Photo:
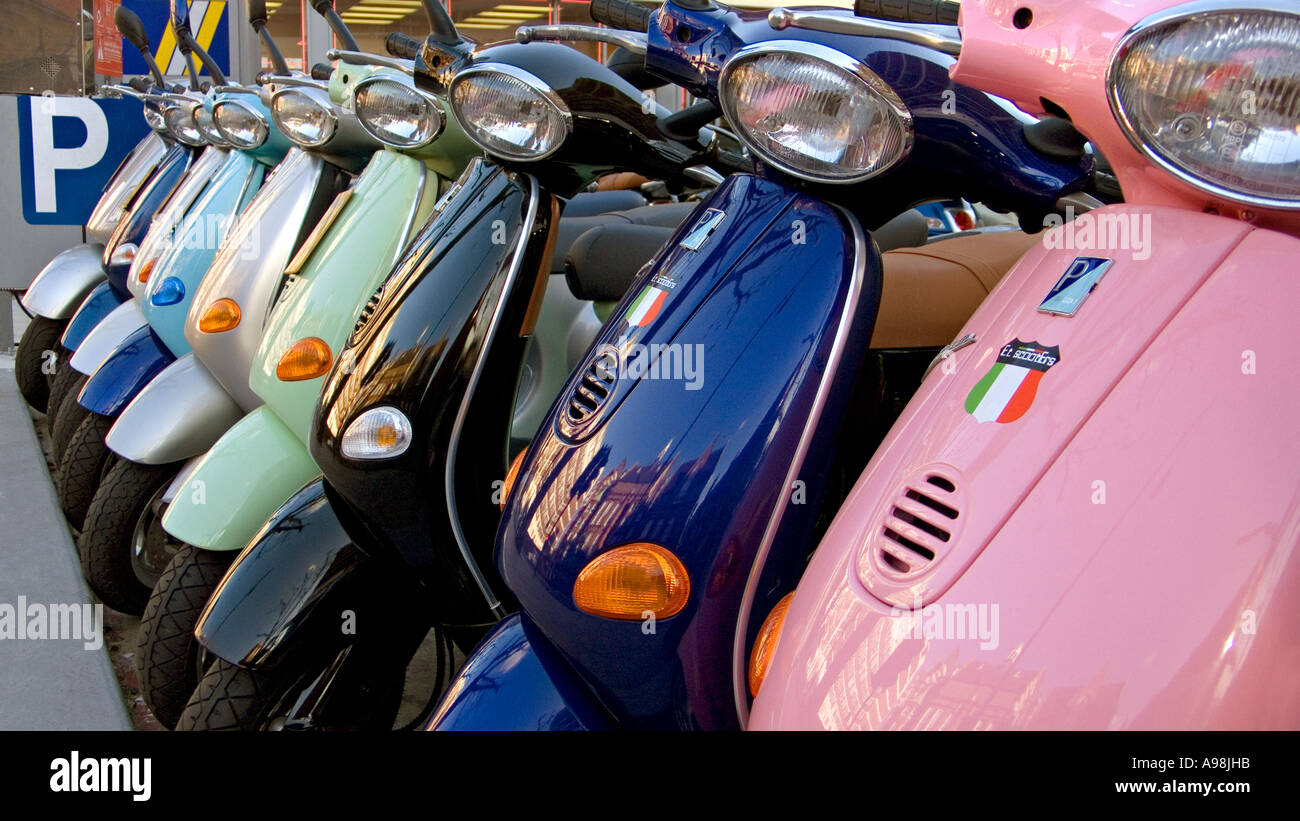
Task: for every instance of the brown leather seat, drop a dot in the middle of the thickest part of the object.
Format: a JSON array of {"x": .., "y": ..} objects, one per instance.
[{"x": 930, "y": 291}]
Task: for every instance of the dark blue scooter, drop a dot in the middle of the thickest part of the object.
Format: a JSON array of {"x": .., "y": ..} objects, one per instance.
[{"x": 685, "y": 472}]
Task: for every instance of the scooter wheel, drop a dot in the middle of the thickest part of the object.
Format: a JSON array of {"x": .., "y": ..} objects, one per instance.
[
  {"x": 68, "y": 416},
  {"x": 82, "y": 466},
  {"x": 167, "y": 657},
  {"x": 115, "y": 520},
  {"x": 39, "y": 345},
  {"x": 236, "y": 698}
]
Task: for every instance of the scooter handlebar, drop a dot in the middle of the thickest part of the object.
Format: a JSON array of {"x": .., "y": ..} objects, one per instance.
[
  {"x": 621, "y": 14},
  {"x": 322, "y": 72},
  {"x": 402, "y": 45},
  {"x": 140, "y": 84},
  {"x": 942, "y": 12}
]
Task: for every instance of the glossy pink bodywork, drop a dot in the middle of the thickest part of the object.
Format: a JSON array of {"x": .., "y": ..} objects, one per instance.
[{"x": 1124, "y": 554}]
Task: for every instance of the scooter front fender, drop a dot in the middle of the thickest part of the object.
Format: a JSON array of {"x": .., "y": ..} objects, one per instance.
[
  {"x": 515, "y": 681},
  {"x": 105, "y": 338},
  {"x": 65, "y": 281},
  {"x": 239, "y": 483},
  {"x": 292, "y": 589},
  {"x": 99, "y": 303},
  {"x": 179, "y": 414},
  {"x": 126, "y": 371}
]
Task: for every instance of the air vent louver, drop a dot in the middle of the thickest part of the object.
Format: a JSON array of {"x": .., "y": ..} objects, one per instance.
[
  {"x": 918, "y": 527},
  {"x": 593, "y": 389}
]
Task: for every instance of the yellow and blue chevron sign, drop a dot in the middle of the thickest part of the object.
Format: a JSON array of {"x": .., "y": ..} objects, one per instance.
[{"x": 209, "y": 20}]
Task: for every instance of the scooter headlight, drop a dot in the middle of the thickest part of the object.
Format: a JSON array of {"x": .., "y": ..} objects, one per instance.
[
  {"x": 304, "y": 115},
  {"x": 510, "y": 112},
  {"x": 242, "y": 126},
  {"x": 814, "y": 112},
  {"x": 1214, "y": 98},
  {"x": 396, "y": 114},
  {"x": 180, "y": 122},
  {"x": 154, "y": 117},
  {"x": 379, "y": 433},
  {"x": 207, "y": 127}
]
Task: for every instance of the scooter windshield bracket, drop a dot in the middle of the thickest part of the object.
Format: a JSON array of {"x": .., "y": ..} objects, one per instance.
[
  {"x": 935, "y": 37},
  {"x": 634, "y": 42}
]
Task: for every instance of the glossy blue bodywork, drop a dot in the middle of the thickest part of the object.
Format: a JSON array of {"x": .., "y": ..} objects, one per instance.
[
  {"x": 196, "y": 243},
  {"x": 125, "y": 372},
  {"x": 98, "y": 304},
  {"x": 729, "y": 477},
  {"x": 766, "y": 332},
  {"x": 151, "y": 196},
  {"x": 967, "y": 143},
  {"x": 515, "y": 681}
]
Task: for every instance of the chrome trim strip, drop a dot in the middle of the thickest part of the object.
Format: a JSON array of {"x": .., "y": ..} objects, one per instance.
[
  {"x": 1180, "y": 13},
  {"x": 916, "y": 33},
  {"x": 410, "y": 218},
  {"x": 521, "y": 247},
  {"x": 836, "y": 59},
  {"x": 739, "y": 654}
]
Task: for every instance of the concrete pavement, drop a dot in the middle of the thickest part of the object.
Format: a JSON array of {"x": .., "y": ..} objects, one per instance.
[{"x": 45, "y": 683}]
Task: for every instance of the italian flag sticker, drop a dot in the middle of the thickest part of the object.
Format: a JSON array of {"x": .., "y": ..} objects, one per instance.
[
  {"x": 1005, "y": 393},
  {"x": 646, "y": 307}
]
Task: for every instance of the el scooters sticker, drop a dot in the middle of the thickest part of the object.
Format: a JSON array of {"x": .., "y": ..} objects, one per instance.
[
  {"x": 647, "y": 306},
  {"x": 1005, "y": 393}
]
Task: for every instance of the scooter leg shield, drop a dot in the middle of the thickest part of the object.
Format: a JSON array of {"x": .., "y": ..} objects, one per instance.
[
  {"x": 293, "y": 589},
  {"x": 123, "y": 321},
  {"x": 181, "y": 413},
  {"x": 65, "y": 280},
  {"x": 126, "y": 371},
  {"x": 238, "y": 484},
  {"x": 98, "y": 304},
  {"x": 514, "y": 681}
]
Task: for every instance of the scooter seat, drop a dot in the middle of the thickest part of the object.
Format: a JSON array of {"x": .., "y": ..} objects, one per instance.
[
  {"x": 600, "y": 202},
  {"x": 608, "y": 251},
  {"x": 929, "y": 292}
]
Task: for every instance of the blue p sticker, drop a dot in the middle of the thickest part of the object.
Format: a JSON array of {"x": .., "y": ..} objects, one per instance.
[{"x": 1075, "y": 284}]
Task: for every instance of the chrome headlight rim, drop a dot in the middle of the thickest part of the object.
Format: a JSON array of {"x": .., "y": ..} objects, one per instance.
[
  {"x": 836, "y": 59},
  {"x": 1139, "y": 30},
  {"x": 533, "y": 82},
  {"x": 160, "y": 123},
  {"x": 249, "y": 110},
  {"x": 211, "y": 134},
  {"x": 429, "y": 100},
  {"x": 325, "y": 105},
  {"x": 186, "y": 110}
]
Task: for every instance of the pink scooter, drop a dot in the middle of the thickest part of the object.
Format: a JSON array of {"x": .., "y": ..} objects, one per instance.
[{"x": 1088, "y": 516}]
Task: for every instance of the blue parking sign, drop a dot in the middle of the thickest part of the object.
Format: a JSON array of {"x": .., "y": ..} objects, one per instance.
[{"x": 68, "y": 149}]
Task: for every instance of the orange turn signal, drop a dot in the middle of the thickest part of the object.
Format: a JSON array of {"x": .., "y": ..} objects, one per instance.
[
  {"x": 630, "y": 581},
  {"x": 760, "y": 659},
  {"x": 511, "y": 475},
  {"x": 222, "y": 315},
  {"x": 146, "y": 269},
  {"x": 306, "y": 359}
]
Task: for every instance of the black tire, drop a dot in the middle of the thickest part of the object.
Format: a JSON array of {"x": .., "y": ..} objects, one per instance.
[
  {"x": 67, "y": 417},
  {"x": 83, "y": 465},
  {"x": 105, "y": 543},
  {"x": 167, "y": 656},
  {"x": 42, "y": 335},
  {"x": 235, "y": 698}
]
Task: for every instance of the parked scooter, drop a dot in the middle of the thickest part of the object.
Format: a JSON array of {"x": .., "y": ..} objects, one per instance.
[
  {"x": 179, "y": 269},
  {"x": 414, "y": 422},
  {"x": 242, "y": 472},
  {"x": 661, "y": 507},
  {"x": 193, "y": 400},
  {"x": 81, "y": 285},
  {"x": 1089, "y": 520}
]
